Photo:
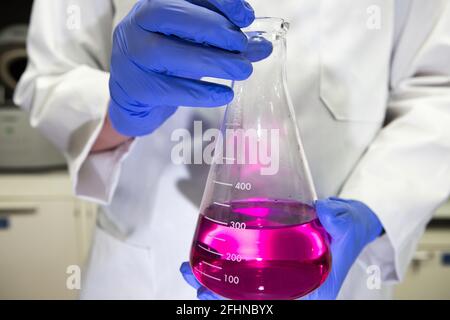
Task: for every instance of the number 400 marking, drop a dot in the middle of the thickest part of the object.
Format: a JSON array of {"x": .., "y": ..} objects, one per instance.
[{"x": 244, "y": 186}]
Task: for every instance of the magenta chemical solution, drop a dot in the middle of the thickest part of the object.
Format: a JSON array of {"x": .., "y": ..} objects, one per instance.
[{"x": 260, "y": 249}]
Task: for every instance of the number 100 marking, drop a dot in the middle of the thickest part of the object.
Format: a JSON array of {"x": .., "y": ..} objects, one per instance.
[{"x": 231, "y": 279}]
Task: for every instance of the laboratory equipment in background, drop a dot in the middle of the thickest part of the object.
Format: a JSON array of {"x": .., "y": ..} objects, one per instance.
[
  {"x": 258, "y": 236},
  {"x": 22, "y": 148},
  {"x": 428, "y": 275}
]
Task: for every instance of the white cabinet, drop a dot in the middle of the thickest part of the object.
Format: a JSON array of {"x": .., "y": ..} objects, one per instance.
[{"x": 48, "y": 231}]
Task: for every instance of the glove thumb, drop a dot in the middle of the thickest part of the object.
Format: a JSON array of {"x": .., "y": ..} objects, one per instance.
[{"x": 334, "y": 217}]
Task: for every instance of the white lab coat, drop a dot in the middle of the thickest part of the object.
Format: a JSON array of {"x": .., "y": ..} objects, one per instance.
[{"x": 346, "y": 76}]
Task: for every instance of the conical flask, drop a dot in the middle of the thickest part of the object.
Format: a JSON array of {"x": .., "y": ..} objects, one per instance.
[{"x": 258, "y": 236}]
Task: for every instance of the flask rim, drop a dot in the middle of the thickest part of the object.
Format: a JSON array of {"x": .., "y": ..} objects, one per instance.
[{"x": 268, "y": 25}]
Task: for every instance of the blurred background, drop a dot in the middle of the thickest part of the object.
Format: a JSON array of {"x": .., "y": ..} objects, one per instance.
[{"x": 44, "y": 229}]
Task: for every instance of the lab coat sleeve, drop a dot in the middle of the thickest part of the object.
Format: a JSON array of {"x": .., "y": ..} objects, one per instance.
[
  {"x": 65, "y": 87},
  {"x": 405, "y": 173}
]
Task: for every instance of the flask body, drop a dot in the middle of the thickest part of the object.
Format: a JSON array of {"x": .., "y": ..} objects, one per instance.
[{"x": 258, "y": 236}]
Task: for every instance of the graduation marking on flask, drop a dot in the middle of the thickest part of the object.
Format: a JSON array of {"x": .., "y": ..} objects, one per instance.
[
  {"x": 223, "y": 183},
  {"x": 207, "y": 275},
  {"x": 210, "y": 251}
]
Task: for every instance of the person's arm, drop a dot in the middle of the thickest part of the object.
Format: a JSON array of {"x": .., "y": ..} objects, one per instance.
[
  {"x": 405, "y": 174},
  {"x": 65, "y": 89},
  {"x": 108, "y": 138},
  {"x": 154, "y": 67}
]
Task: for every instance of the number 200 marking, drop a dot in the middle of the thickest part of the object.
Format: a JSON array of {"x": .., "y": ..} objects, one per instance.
[{"x": 234, "y": 257}]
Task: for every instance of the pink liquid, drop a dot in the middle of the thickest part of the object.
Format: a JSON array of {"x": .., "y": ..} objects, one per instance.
[{"x": 282, "y": 251}]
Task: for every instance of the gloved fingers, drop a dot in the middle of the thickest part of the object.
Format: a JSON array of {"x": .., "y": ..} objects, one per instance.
[
  {"x": 190, "y": 22},
  {"x": 186, "y": 272},
  {"x": 137, "y": 124},
  {"x": 338, "y": 199},
  {"x": 349, "y": 202},
  {"x": 168, "y": 91},
  {"x": 328, "y": 290},
  {"x": 136, "y": 90},
  {"x": 202, "y": 292},
  {"x": 205, "y": 294},
  {"x": 334, "y": 217},
  {"x": 239, "y": 12},
  {"x": 172, "y": 56},
  {"x": 258, "y": 49},
  {"x": 364, "y": 215}
]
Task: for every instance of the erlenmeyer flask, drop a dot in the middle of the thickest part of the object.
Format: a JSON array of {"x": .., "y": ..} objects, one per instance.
[{"x": 258, "y": 236}]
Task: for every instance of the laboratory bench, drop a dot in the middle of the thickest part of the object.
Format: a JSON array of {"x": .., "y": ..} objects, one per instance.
[{"x": 44, "y": 230}]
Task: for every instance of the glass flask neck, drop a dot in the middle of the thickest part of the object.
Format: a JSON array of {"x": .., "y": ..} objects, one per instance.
[
  {"x": 269, "y": 27},
  {"x": 273, "y": 30}
]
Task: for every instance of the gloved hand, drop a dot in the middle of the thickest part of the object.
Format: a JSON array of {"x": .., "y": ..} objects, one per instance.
[
  {"x": 163, "y": 47},
  {"x": 351, "y": 224}
]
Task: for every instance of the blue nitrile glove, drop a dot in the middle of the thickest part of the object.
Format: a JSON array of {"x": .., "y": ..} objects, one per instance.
[
  {"x": 351, "y": 224},
  {"x": 162, "y": 48}
]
